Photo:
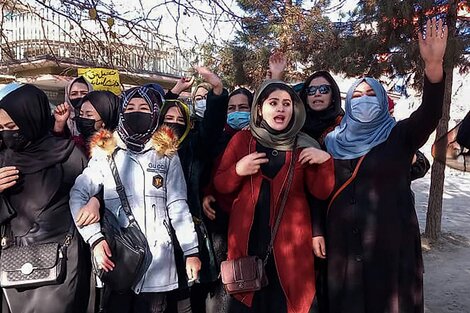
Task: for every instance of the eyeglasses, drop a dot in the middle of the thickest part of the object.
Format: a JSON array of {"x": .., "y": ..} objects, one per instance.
[
  {"x": 197, "y": 98},
  {"x": 324, "y": 89}
]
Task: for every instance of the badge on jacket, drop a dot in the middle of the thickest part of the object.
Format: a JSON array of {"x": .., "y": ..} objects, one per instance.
[{"x": 157, "y": 181}]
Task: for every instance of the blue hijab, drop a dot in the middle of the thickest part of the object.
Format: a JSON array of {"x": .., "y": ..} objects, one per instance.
[{"x": 352, "y": 138}]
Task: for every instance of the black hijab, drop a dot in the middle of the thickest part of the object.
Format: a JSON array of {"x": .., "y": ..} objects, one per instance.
[
  {"x": 29, "y": 108},
  {"x": 39, "y": 164},
  {"x": 107, "y": 105},
  {"x": 318, "y": 121}
]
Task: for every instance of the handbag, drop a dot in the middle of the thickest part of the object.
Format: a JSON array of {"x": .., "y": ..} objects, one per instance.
[
  {"x": 129, "y": 247},
  {"x": 247, "y": 274},
  {"x": 34, "y": 265}
]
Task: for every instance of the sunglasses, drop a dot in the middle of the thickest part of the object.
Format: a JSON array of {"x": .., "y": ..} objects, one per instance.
[{"x": 324, "y": 89}]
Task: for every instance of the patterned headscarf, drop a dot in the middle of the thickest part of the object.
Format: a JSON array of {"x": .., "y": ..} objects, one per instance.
[{"x": 136, "y": 142}]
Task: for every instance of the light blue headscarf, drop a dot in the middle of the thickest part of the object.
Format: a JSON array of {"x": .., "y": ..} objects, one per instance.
[
  {"x": 352, "y": 138},
  {"x": 9, "y": 88}
]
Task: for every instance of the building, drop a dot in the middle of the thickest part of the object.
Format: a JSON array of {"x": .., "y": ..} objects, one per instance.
[{"x": 45, "y": 47}]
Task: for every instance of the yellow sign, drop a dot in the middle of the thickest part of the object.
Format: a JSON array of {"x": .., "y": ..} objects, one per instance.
[{"x": 102, "y": 79}]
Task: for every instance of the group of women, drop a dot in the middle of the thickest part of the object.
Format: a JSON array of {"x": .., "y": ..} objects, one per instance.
[{"x": 209, "y": 182}]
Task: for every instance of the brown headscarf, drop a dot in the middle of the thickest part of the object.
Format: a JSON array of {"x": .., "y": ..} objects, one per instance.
[{"x": 284, "y": 140}]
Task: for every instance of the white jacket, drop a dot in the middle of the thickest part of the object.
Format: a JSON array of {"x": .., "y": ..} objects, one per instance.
[{"x": 156, "y": 191}]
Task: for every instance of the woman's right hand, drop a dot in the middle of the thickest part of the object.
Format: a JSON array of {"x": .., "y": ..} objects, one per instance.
[
  {"x": 8, "y": 177},
  {"x": 61, "y": 115},
  {"x": 102, "y": 254},
  {"x": 251, "y": 163}
]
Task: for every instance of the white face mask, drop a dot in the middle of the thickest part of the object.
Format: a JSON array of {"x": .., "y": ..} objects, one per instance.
[
  {"x": 200, "y": 107},
  {"x": 366, "y": 108}
]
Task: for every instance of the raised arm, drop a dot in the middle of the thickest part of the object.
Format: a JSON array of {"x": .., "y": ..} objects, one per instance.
[{"x": 425, "y": 119}]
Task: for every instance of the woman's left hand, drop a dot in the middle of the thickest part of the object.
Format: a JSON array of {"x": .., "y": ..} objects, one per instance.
[
  {"x": 433, "y": 47},
  {"x": 193, "y": 266},
  {"x": 211, "y": 78},
  {"x": 313, "y": 156}
]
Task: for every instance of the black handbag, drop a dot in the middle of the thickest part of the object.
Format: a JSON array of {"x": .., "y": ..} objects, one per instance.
[
  {"x": 34, "y": 265},
  {"x": 129, "y": 247}
]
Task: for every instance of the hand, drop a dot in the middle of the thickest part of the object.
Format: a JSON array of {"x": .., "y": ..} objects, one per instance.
[
  {"x": 89, "y": 214},
  {"x": 102, "y": 254},
  {"x": 207, "y": 208},
  {"x": 212, "y": 79},
  {"x": 313, "y": 156},
  {"x": 8, "y": 177},
  {"x": 61, "y": 115},
  {"x": 277, "y": 65},
  {"x": 193, "y": 266},
  {"x": 251, "y": 163},
  {"x": 432, "y": 49},
  {"x": 182, "y": 84},
  {"x": 319, "y": 247}
]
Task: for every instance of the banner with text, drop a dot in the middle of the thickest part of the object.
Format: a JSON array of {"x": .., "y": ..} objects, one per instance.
[{"x": 102, "y": 79}]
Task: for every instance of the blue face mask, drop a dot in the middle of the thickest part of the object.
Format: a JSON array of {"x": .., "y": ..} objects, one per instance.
[
  {"x": 238, "y": 120},
  {"x": 366, "y": 108}
]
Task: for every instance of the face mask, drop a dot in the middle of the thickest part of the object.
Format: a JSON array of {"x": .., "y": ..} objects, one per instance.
[
  {"x": 86, "y": 126},
  {"x": 138, "y": 122},
  {"x": 238, "y": 120},
  {"x": 200, "y": 107},
  {"x": 76, "y": 102},
  {"x": 14, "y": 140},
  {"x": 366, "y": 108},
  {"x": 179, "y": 129}
]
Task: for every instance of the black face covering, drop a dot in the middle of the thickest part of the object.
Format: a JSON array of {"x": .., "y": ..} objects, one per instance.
[
  {"x": 179, "y": 129},
  {"x": 76, "y": 103},
  {"x": 138, "y": 122},
  {"x": 86, "y": 126},
  {"x": 14, "y": 140}
]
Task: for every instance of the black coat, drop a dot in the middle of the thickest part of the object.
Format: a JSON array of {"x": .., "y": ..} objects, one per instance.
[{"x": 373, "y": 239}]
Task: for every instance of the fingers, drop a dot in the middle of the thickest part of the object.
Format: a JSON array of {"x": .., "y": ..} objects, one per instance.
[
  {"x": 8, "y": 177},
  {"x": 80, "y": 218},
  {"x": 206, "y": 207},
  {"x": 7, "y": 169},
  {"x": 318, "y": 244},
  {"x": 102, "y": 254}
]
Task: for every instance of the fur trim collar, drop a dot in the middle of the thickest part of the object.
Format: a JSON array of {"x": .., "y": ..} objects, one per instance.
[{"x": 164, "y": 141}]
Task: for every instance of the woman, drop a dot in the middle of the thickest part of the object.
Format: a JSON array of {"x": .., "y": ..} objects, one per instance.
[
  {"x": 36, "y": 175},
  {"x": 373, "y": 239},
  {"x": 322, "y": 98},
  {"x": 254, "y": 167},
  {"x": 65, "y": 113},
  {"x": 198, "y": 139},
  {"x": 98, "y": 110},
  {"x": 154, "y": 183}
]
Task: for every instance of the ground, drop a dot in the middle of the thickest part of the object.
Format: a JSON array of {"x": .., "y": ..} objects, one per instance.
[{"x": 447, "y": 263}]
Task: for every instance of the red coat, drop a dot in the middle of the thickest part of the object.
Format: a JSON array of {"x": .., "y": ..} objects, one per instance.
[{"x": 293, "y": 252}]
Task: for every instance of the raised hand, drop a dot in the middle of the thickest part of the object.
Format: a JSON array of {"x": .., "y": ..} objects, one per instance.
[
  {"x": 319, "y": 247},
  {"x": 61, "y": 115},
  {"x": 277, "y": 65},
  {"x": 211, "y": 78},
  {"x": 432, "y": 48},
  {"x": 251, "y": 163},
  {"x": 182, "y": 84}
]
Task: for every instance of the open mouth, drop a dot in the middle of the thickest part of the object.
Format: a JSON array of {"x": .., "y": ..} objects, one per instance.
[
  {"x": 317, "y": 102},
  {"x": 279, "y": 119}
]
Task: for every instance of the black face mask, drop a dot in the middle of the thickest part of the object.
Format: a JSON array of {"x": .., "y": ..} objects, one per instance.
[
  {"x": 179, "y": 129},
  {"x": 138, "y": 122},
  {"x": 14, "y": 140},
  {"x": 86, "y": 126},
  {"x": 76, "y": 102}
]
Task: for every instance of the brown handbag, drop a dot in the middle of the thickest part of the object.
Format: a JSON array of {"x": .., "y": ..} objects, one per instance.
[{"x": 247, "y": 274}]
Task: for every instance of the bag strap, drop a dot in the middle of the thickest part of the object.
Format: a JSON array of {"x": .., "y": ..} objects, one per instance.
[
  {"x": 282, "y": 205},
  {"x": 346, "y": 184},
  {"x": 121, "y": 190}
]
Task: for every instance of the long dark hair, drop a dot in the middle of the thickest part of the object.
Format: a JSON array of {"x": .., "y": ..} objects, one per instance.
[{"x": 242, "y": 91}]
